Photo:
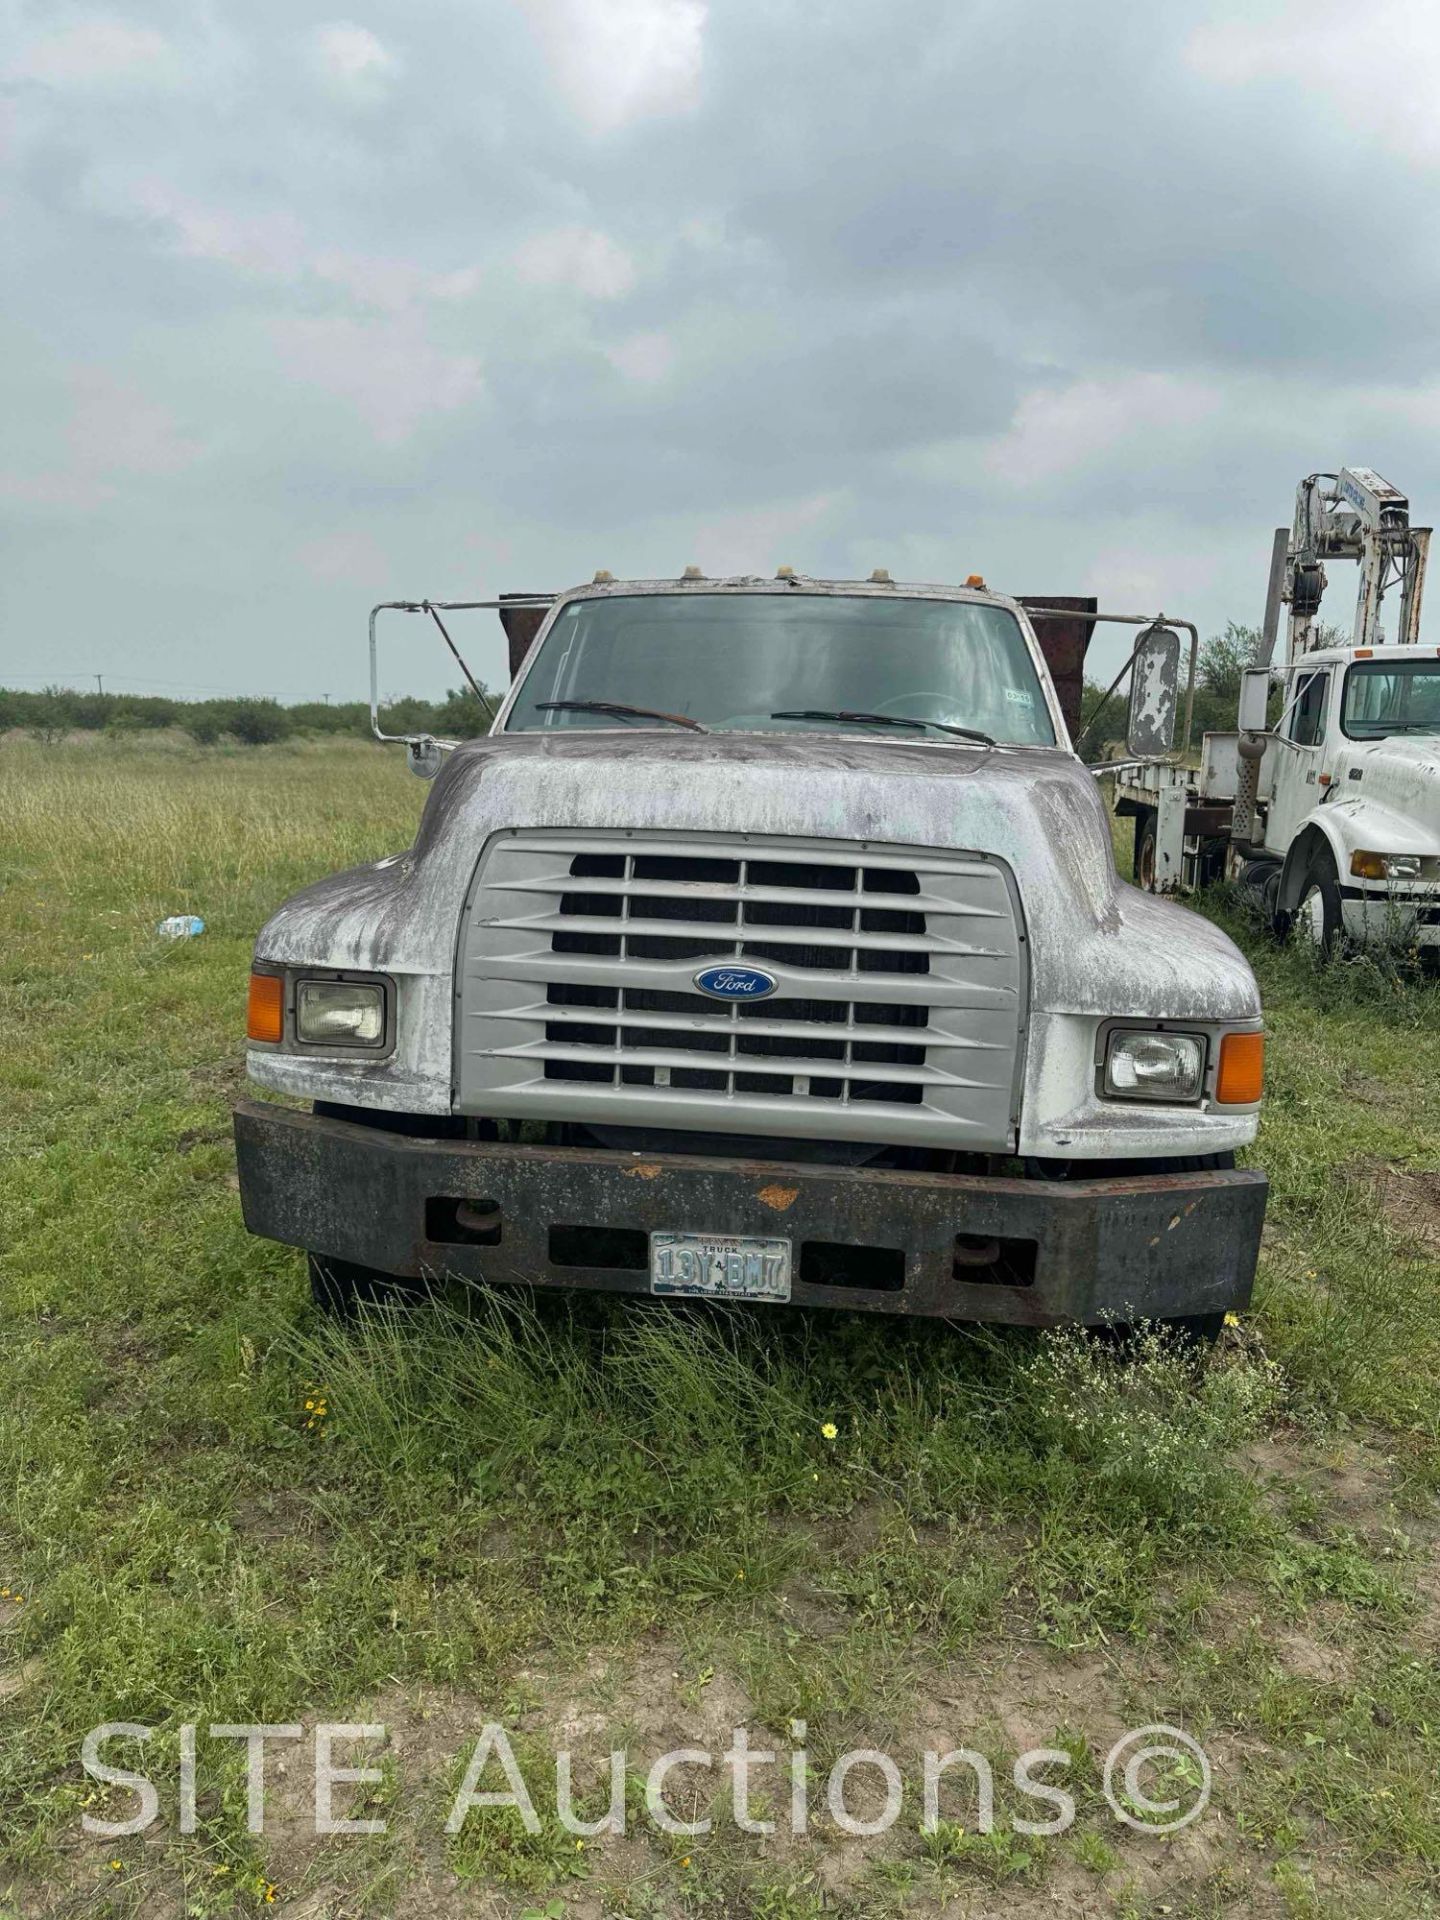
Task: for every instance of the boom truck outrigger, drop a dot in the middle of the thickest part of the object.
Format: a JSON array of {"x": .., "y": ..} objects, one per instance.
[
  {"x": 768, "y": 947},
  {"x": 1332, "y": 811}
]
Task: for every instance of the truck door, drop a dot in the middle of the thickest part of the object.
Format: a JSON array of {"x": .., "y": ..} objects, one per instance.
[{"x": 1299, "y": 756}]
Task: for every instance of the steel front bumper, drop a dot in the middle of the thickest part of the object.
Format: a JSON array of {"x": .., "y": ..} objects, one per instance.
[
  {"x": 1391, "y": 915},
  {"x": 1023, "y": 1251}
]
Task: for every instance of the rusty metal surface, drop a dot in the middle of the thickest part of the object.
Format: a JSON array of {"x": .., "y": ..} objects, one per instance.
[
  {"x": 1208, "y": 822},
  {"x": 521, "y": 624},
  {"x": 1105, "y": 1249},
  {"x": 1064, "y": 644}
]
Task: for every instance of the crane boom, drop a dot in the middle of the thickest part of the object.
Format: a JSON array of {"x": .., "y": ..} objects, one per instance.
[{"x": 1353, "y": 515}]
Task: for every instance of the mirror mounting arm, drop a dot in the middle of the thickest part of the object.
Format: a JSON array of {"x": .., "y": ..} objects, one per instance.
[
  {"x": 1149, "y": 623},
  {"x": 424, "y": 741}
]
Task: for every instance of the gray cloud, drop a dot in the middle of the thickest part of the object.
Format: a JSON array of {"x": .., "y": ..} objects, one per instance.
[{"x": 309, "y": 307}]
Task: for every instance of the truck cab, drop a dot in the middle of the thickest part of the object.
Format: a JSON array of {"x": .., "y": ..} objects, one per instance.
[
  {"x": 1353, "y": 784},
  {"x": 769, "y": 947},
  {"x": 1330, "y": 810}
]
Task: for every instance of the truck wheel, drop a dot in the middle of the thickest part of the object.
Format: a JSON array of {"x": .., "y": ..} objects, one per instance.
[
  {"x": 1197, "y": 1330},
  {"x": 1316, "y": 922},
  {"x": 1279, "y": 922},
  {"x": 1145, "y": 839},
  {"x": 338, "y": 1287}
]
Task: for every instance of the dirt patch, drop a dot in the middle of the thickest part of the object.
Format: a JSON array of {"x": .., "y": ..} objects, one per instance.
[
  {"x": 219, "y": 1079},
  {"x": 1305, "y": 1656},
  {"x": 1410, "y": 1201},
  {"x": 279, "y": 1514},
  {"x": 1354, "y": 1485},
  {"x": 15, "y": 1680},
  {"x": 1021, "y": 1697}
]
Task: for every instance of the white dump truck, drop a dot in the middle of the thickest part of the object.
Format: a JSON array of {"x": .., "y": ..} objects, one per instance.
[
  {"x": 768, "y": 947},
  {"x": 1330, "y": 805}
]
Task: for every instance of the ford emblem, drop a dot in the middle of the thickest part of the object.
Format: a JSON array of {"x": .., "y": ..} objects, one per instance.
[{"x": 735, "y": 983}]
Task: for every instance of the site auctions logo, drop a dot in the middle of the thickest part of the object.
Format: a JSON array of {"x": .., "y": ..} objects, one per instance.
[{"x": 1155, "y": 1779}]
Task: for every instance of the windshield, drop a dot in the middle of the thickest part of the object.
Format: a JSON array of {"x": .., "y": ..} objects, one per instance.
[
  {"x": 750, "y": 661},
  {"x": 1391, "y": 696}
]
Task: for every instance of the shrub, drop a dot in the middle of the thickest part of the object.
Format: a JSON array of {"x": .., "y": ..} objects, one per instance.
[
  {"x": 257, "y": 723},
  {"x": 204, "y": 723}
]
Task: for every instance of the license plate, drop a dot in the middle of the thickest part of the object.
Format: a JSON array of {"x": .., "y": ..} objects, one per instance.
[{"x": 727, "y": 1266}]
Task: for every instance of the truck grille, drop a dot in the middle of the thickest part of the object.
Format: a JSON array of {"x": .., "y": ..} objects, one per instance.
[{"x": 898, "y": 1008}]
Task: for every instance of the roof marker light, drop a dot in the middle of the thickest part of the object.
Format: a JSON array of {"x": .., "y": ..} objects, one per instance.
[
  {"x": 692, "y": 573},
  {"x": 881, "y": 577},
  {"x": 603, "y": 578},
  {"x": 976, "y": 580},
  {"x": 784, "y": 573}
]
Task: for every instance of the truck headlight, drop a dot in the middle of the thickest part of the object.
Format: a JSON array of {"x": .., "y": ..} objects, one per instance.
[
  {"x": 1387, "y": 866},
  {"x": 340, "y": 1013},
  {"x": 1154, "y": 1066}
]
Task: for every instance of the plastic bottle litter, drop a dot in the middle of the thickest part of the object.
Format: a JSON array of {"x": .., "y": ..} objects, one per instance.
[{"x": 181, "y": 926}]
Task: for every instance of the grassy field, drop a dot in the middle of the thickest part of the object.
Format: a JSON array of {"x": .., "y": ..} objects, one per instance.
[{"x": 602, "y": 1524}]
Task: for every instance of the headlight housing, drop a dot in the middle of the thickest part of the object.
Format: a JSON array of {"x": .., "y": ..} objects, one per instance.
[
  {"x": 340, "y": 1013},
  {"x": 1390, "y": 866},
  {"x": 1146, "y": 1065}
]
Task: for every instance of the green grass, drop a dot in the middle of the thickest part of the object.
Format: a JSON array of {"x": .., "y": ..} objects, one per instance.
[{"x": 599, "y": 1515}]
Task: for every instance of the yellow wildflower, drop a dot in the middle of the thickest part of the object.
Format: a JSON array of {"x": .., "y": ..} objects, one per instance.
[{"x": 829, "y": 1431}]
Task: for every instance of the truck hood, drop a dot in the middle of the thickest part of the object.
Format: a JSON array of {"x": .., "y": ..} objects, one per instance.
[
  {"x": 1388, "y": 792},
  {"x": 1096, "y": 945}
]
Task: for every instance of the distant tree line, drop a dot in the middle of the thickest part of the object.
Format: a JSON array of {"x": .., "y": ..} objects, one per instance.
[{"x": 54, "y": 712}]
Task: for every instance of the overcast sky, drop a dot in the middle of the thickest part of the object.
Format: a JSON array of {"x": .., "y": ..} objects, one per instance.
[{"x": 306, "y": 309}]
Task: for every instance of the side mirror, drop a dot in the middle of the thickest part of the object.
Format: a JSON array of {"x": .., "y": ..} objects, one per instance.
[
  {"x": 423, "y": 757},
  {"x": 1254, "y": 699},
  {"x": 1154, "y": 693}
]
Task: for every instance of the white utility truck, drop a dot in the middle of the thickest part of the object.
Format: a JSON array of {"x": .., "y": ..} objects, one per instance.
[
  {"x": 770, "y": 947},
  {"x": 1333, "y": 811}
]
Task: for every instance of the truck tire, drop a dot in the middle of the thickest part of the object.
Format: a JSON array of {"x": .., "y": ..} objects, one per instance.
[
  {"x": 1317, "y": 920},
  {"x": 1198, "y": 1331},
  {"x": 1146, "y": 837},
  {"x": 339, "y": 1287}
]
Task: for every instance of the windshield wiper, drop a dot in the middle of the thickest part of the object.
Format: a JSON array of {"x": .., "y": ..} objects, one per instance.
[
  {"x": 883, "y": 720},
  {"x": 616, "y": 706}
]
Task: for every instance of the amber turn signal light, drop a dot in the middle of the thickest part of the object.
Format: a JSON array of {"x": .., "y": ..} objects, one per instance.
[
  {"x": 1240, "y": 1078},
  {"x": 265, "y": 1008}
]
